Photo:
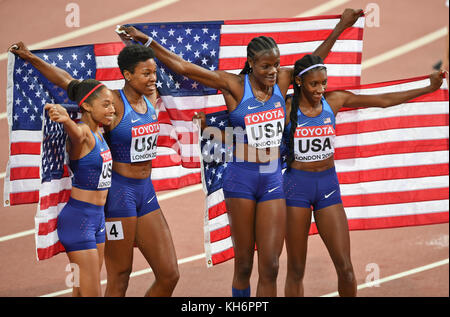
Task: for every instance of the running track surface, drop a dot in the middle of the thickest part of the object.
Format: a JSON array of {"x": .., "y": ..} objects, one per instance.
[{"x": 392, "y": 250}]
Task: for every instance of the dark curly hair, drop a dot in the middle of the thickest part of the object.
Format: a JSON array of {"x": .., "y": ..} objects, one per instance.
[
  {"x": 131, "y": 55},
  {"x": 301, "y": 64},
  {"x": 256, "y": 45}
]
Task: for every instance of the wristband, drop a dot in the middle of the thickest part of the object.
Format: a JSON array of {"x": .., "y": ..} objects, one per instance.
[{"x": 149, "y": 41}]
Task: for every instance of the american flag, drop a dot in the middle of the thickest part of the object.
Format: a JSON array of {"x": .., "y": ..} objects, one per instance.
[
  {"x": 26, "y": 179},
  {"x": 222, "y": 45},
  {"x": 392, "y": 163},
  {"x": 28, "y": 91},
  {"x": 366, "y": 207},
  {"x": 392, "y": 166},
  {"x": 54, "y": 191}
]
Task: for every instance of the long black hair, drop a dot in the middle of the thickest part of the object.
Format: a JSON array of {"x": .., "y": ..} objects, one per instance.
[
  {"x": 256, "y": 45},
  {"x": 300, "y": 65}
]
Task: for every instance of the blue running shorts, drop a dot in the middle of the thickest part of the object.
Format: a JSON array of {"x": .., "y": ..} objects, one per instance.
[
  {"x": 255, "y": 181},
  {"x": 81, "y": 225},
  {"x": 311, "y": 189},
  {"x": 130, "y": 197}
]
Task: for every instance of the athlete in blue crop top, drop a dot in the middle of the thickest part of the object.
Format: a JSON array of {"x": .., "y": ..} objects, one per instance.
[
  {"x": 133, "y": 215},
  {"x": 252, "y": 183},
  {"x": 261, "y": 125},
  {"x": 310, "y": 181},
  {"x": 147, "y": 227},
  {"x": 93, "y": 171},
  {"x": 81, "y": 223}
]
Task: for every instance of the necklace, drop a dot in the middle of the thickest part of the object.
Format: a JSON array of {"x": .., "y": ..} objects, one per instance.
[{"x": 263, "y": 101}]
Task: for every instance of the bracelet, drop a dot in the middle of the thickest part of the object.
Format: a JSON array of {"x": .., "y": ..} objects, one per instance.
[{"x": 149, "y": 41}]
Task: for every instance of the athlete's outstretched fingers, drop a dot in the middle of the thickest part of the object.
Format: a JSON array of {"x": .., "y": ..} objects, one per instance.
[
  {"x": 270, "y": 234},
  {"x": 297, "y": 231},
  {"x": 154, "y": 240},
  {"x": 119, "y": 244},
  {"x": 333, "y": 229}
]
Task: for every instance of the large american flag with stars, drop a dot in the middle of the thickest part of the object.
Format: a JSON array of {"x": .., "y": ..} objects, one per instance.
[
  {"x": 221, "y": 45},
  {"x": 28, "y": 92},
  {"x": 34, "y": 172},
  {"x": 380, "y": 188}
]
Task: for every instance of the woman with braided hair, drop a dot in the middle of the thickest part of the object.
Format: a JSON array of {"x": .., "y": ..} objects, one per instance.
[
  {"x": 253, "y": 180},
  {"x": 310, "y": 179}
]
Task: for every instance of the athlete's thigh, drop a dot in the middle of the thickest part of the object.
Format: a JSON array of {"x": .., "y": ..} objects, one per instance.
[
  {"x": 120, "y": 237},
  {"x": 101, "y": 253},
  {"x": 298, "y": 223},
  {"x": 332, "y": 225},
  {"x": 270, "y": 226},
  {"x": 241, "y": 214},
  {"x": 87, "y": 272},
  {"x": 154, "y": 240}
]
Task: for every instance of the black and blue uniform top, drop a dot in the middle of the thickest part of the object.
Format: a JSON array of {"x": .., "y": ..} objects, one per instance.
[
  {"x": 259, "y": 124},
  {"x": 134, "y": 138},
  {"x": 93, "y": 171},
  {"x": 314, "y": 136}
]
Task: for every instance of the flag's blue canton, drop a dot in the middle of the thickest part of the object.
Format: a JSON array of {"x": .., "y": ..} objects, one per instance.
[
  {"x": 53, "y": 146},
  {"x": 215, "y": 153},
  {"x": 32, "y": 90},
  {"x": 197, "y": 43}
]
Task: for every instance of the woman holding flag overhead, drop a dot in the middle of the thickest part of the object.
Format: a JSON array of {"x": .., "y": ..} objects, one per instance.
[
  {"x": 253, "y": 181},
  {"x": 310, "y": 181},
  {"x": 133, "y": 216},
  {"x": 81, "y": 223}
]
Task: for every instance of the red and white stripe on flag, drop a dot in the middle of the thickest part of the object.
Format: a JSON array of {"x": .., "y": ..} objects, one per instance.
[
  {"x": 176, "y": 165},
  {"x": 392, "y": 165},
  {"x": 295, "y": 38}
]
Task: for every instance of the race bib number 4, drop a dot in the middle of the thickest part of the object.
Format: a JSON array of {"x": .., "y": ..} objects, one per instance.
[
  {"x": 265, "y": 129},
  {"x": 143, "y": 142},
  {"x": 314, "y": 143},
  {"x": 105, "y": 177}
]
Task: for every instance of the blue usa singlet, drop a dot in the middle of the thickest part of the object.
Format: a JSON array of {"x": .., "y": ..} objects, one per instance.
[
  {"x": 93, "y": 171},
  {"x": 134, "y": 138},
  {"x": 262, "y": 123},
  {"x": 314, "y": 136}
]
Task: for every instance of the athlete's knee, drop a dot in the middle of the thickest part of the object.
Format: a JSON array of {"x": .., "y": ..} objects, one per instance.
[
  {"x": 345, "y": 272},
  {"x": 296, "y": 271},
  {"x": 169, "y": 278},
  {"x": 243, "y": 269},
  {"x": 119, "y": 278},
  {"x": 268, "y": 269}
]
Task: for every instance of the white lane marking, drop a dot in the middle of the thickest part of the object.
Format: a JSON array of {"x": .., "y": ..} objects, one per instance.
[
  {"x": 98, "y": 26},
  {"x": 17, "y": 235},
  {"x": 133, "y": 274},
  {"x": 173, "y": 194},
  {"x": 327, "y": 6},
  {"x": 396, "y": 276},
  {"x": 406, "y": 48},
  {"x": 202, "y": 255}
]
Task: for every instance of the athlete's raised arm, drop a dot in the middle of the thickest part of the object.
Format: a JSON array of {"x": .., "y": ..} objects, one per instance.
[
  {"x": 54, "y": 74},
  {"x": 215, "y": 79}
]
